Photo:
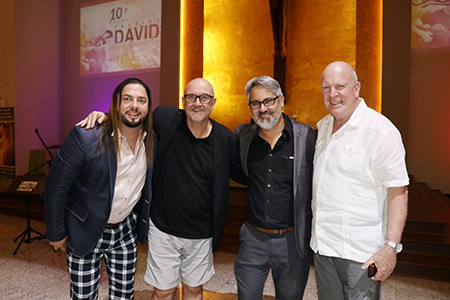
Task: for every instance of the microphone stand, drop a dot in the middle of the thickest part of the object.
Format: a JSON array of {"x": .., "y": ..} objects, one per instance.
[
  {"x": 49, "y": 162},
  {"x": 26, "y": 234}
]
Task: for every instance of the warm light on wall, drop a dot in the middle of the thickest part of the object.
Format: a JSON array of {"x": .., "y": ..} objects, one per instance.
[
  {"x": 369, "y": 34},
  {"x": 238, "y": 49},
  {"x": 237, "y": 46},
  {"x": 315, "y": 39},
  {"x": 191, "y": 42},
  {"x": 319, "y": 32},
  {"x": 182, "y": 50},
  {"x": 380, "y": 53}
]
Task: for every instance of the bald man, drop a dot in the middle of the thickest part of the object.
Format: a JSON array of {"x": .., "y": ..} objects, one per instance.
[
  {"x": 195, "y": 159},
  {"x": 360, "y": 198}
]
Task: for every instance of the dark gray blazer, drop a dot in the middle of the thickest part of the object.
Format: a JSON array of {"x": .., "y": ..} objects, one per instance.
[{"x": 304, "y": 144}]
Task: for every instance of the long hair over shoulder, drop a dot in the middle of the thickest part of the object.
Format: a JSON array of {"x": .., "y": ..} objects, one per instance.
[{"x": 111, "y": 126}]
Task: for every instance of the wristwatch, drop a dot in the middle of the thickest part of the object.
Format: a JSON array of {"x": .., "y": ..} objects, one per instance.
[{"x": 397, "y": 247}]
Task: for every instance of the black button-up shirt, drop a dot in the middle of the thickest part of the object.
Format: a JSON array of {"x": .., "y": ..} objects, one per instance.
[{"x": 270, "y": 203}]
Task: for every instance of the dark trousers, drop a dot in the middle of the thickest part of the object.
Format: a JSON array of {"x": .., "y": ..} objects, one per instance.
[
  {"x": 343, "y": 279},
  {"x": 258, "y": 253}
]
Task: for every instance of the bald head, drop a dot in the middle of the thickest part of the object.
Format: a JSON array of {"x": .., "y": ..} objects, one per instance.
[
  {"x": 198, "y": 112},
  {"x": 341, "y": 67},
  {"x": 340, "y": 91},
  {"x": 199, "y": 86}
]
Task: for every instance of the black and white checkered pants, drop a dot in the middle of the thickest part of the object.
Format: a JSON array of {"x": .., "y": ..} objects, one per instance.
[{"x": 118, "y": 248}]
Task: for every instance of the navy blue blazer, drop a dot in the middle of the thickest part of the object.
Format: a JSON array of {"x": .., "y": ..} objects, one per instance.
[
  {"x": 166, "y": 121},
  {"x": 79, "y": 192}
]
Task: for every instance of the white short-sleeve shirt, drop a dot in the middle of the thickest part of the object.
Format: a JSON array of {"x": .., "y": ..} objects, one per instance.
[{"x": 352, "y": 170}]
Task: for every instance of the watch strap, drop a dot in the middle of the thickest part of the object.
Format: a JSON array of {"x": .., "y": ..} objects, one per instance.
[{"x": 396, "y": 247}]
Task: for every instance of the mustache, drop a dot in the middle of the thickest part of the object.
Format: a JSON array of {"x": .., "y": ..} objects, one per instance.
[
  {"x": 135, "y": 110},
  {"x": 197, "y": 109},
  {"x": 265, "y": 113},
  {"x": 122, "y": 116}
]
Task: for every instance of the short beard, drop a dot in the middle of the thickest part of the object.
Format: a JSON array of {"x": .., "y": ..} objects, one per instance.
[
  {"x": 130, "y": 124},
  {"x": 268, "y": 123}
]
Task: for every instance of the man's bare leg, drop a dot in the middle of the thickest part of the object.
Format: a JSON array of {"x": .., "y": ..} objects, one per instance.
[
  {"x": 163, "y": 294},
  {"x": 192, "y": 293}
]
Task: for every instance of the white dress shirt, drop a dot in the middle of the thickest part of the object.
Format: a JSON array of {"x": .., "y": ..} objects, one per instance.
[
  {"x": 130, "y": 178},
  {"x": 352, "y": 170}
]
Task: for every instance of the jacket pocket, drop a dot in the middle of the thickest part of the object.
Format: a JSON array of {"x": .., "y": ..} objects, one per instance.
[{"x": 76, "y": 210}]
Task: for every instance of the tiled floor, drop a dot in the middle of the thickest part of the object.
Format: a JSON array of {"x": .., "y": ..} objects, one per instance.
[{"x": 37, "y": 272}]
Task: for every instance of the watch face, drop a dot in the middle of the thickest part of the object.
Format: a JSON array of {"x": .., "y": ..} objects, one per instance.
[{"x": 398, "y": 248}]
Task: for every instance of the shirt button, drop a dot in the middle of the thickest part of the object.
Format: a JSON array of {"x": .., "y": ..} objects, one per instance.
[
  {"x": 270, "y": 170},
  {"x": 268, "y": 201},
  {"x": 270, "y": 154},
  {"x": 268, "y": 217},
  {"x": 269, "y": 185}
]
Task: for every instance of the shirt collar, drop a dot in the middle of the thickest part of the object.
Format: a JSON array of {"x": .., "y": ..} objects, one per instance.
[
  {"x": 287, "y": 131},
  {"x": 142, "y": 134},
  {"x": 357, "y": 116},
  {"x": 355, "y": 119}
]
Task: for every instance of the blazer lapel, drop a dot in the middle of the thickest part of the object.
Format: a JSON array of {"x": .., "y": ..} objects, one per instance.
[
  {"x": 298, "y": 154},
  {"x": 165, "y": 139},
  {"x": 112, "y": 166}
]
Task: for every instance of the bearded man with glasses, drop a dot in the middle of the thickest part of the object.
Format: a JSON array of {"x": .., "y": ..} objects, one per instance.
[{"x": 276, "y": 154}]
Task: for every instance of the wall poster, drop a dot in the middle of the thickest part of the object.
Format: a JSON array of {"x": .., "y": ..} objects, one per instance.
[
  {"x": 7, "y": 151},
  {"x": 430, "y": 25},
  {"x": 121, "y": 35}
]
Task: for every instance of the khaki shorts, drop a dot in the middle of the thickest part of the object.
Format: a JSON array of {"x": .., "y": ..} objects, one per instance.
[{"x": 169, "y": 256}]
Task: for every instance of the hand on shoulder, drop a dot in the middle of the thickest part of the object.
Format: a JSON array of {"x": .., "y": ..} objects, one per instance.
[{"x": 89, "y": 121}]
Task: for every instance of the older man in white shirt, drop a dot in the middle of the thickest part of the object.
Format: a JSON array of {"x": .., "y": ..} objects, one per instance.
[{"x": 359, "y": 192}]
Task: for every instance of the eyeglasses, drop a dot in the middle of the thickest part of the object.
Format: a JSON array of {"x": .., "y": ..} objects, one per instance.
[
  {"x": 255, "y": 104},
  {"x": 204, "y": 98}
]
